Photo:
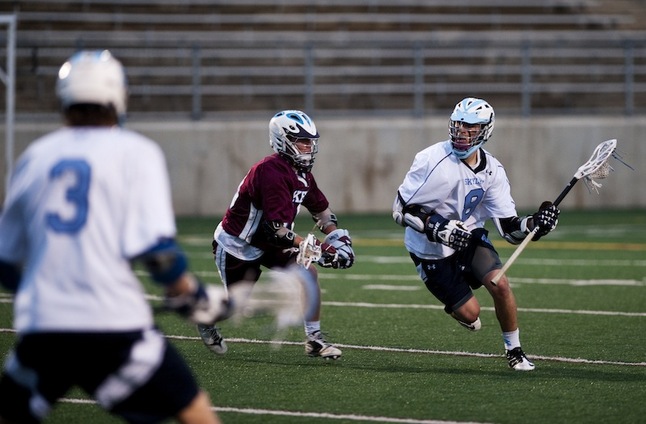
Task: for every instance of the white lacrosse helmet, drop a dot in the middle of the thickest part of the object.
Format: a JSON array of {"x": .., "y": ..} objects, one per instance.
[
  {"x": 288, "y": 126},
  {"x": 92, "y": 77},
  {"x": 470, "y": 111}
]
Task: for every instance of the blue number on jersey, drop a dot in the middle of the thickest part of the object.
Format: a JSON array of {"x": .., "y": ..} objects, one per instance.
[
  {"x": 471, "y": 201},
  {"x": 76, "y": 194}
]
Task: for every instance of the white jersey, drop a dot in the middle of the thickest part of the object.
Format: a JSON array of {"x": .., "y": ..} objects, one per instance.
[
  {"x": 438, "y": 180},
  {"x": 82, "y": 202}
]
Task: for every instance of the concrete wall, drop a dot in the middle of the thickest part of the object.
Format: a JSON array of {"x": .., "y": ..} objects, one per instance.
[{"x": 361, "y": 162}]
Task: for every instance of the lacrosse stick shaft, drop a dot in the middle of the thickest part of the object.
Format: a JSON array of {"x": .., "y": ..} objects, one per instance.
[
  {"x": 530, "y": 236},
  {"x": 513, "y": 256}
]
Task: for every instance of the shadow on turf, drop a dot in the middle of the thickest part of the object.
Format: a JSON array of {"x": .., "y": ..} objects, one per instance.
[{"x": 544, "y": 369}]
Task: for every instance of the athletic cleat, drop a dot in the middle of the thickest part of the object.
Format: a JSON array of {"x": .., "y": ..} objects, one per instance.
[
  {"x": 316, "y": 346},
  {"x": 518, "y": 361},
  {"x": 212, "y": 339}
]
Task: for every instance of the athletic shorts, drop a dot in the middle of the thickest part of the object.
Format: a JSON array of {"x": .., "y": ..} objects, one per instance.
[
  {"x": 137, "y": 376},
  {"x": 232, "y": 269},
  {"x": 452, "y": 279}
]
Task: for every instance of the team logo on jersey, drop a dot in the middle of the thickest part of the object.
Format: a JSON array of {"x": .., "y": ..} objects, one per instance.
[
  {"x": 299, "y": 196},
  {"x": 473, "y": 181}
]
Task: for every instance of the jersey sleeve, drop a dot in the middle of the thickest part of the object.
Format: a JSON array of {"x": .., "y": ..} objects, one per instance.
[
  {"x": 13, "y": 240},
  {"x": 315, "y": 201},
  {"x": 499, "y": 202},
  {"x": 150, "y": 216},
  {"x": 425, "y": 182}
]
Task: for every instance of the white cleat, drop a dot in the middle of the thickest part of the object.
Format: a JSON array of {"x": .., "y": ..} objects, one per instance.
[
  {"x": 212, "y": 339},
  {"x": 518, "y": 360},
  {"x": 316, "y": 346}
]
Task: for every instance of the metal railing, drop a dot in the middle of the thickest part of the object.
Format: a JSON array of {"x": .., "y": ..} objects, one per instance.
[{"x": 525, "y": 78}]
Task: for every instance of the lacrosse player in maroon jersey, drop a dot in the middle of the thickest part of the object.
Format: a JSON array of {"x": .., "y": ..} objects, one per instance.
[
  {"x": 258, "y": 227},
  {"x": 451, "y": 189}
]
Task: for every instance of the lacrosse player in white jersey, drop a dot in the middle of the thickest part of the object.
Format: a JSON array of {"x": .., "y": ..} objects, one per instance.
[
  {"x": 451, "y": 189},
  {"x": 83, "y": 203}
]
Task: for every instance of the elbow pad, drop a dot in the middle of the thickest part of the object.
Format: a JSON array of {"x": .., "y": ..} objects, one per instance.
[
  {"x": 165, "y": 262},
  {"x": 513, "y": 229},
  {"x": 278, "y": 234},
  {"x": 414, "y": 216},
  {"x": 324, "y": 219}
]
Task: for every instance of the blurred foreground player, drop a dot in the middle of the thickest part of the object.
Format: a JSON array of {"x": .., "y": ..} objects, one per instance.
[{"x": 84, "y": 202}]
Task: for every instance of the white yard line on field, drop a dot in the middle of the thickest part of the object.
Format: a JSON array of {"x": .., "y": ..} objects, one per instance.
[
  {"x": 525, "y": 261},
  {"x": 283, "y": 413}
]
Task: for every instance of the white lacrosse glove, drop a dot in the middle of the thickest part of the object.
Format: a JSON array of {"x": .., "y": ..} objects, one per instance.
[
  {"x": 340, "y": 240},
  {"x": 204, "y": 304},
  {"x": 451, "y": 233}
]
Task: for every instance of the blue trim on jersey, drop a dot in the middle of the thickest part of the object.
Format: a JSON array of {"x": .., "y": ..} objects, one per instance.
[
  {"x": 10, "y": 275},
  {"x": 165, "y": 261}
]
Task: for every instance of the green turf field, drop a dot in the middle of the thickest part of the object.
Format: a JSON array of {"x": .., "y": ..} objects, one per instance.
[{"x": 581, "y": 293}]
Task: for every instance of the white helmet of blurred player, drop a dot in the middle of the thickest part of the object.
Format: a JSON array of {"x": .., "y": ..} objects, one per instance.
[
  {"x": 92, "y": 77},
  {"x": 293, "y": 135},
  {"x": 470, "y": 126}
]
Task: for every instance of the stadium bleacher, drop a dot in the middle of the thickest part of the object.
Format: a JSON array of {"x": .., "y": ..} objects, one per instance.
[{"x": 202, "y": 58}]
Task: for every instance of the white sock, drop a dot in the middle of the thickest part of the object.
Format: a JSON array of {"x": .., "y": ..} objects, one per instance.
[
  {"x": 511, "y": 339},
  {"x": 312, "y": 326}
]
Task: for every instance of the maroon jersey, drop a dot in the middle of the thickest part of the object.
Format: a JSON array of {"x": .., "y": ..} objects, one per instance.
[{"x": 271, "y": 191}]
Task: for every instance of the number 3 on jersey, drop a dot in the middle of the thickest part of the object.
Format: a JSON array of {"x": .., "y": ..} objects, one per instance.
[{"x": 76, "y": 195}]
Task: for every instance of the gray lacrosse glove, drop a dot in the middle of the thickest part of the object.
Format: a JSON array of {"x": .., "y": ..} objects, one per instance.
[
  {"x": 340, "y": 240},
  {"x": 451, "y": 233},
  {"x": 546, "y": 219}
]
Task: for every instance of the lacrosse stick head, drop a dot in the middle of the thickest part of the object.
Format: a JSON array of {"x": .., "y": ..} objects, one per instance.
[
  {"x": 597, "y": 167},
  {"x": 308, "y": 251}
]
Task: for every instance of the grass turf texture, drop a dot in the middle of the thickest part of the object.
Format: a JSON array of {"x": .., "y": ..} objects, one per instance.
[{"x": 581, "y": 293}]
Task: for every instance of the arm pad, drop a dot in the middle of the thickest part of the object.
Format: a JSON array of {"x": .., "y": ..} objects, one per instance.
[
  {"x": 324, "y": 219},
  {"x": 165, "y": 261},
  {"x": 514, "y": 229},
  {"x": 414, "y": 216},
  {"x": 278, "y": 234}
]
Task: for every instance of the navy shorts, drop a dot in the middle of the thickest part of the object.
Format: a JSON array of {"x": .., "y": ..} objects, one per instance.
[
  {"x": 137, "y": 376},
  {"x": 452, "y": 280}
]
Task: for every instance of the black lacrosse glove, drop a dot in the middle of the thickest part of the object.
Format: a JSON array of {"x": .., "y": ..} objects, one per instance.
[
  {"x": 451, "y": 233},
  {"x": 546, "y": 219}
]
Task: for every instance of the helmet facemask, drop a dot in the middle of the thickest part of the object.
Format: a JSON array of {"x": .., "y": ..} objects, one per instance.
[
  {"x": 298, "y": 151},
  {"x": 467, "y": 138}
]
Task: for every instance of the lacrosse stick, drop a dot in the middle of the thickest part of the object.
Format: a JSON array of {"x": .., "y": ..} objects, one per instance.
[
  {"x": 308, "y": 251},
  {"x": 290, "y": 295},
  {"x": 596, "y": 167}
]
